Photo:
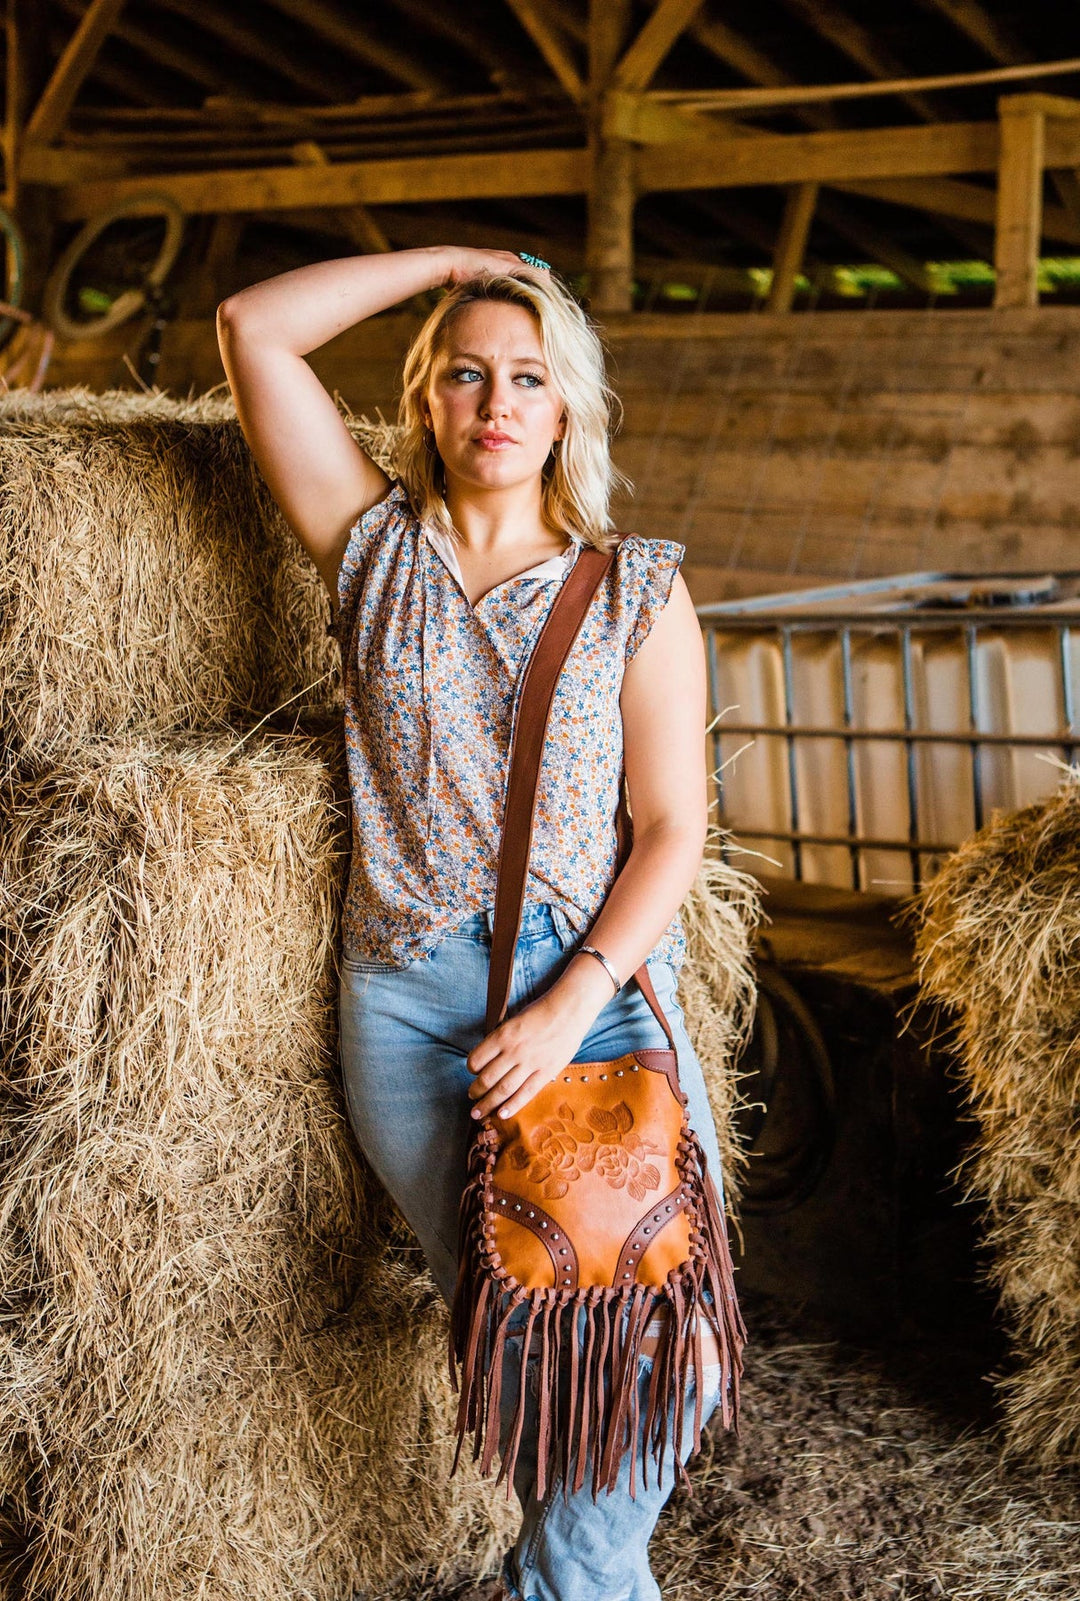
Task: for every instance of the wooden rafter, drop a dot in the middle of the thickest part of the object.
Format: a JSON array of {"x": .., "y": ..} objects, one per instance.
[
  {"x": 989, "y": 33},
  {"x": 504, "y": 66},
  {"x": 877, "y": 245},
  {"x": 255, "y": 44},
  {"x": 138, "y": 87},
  {"x": 736, "y": 219},
  {"x": 76, "y": 61},
  {"x": 741, "y": 53},
  {"x": 745, "y": 57},
  {"x": 344, "y": 31},
  {"x": 1067, "y": 184},
  {"x": 164, "y": 52},
  {"x": 636, "y": 68},
  {"x": 786, "y": 94},
  {"x": 533, "y": 18},
  {"x": 791, "y": 244},
  {"x": 950, "y": 197},
  {"x": 859, "y": 45}
]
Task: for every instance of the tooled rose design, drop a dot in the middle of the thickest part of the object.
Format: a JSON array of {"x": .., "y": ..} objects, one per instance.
[
  {"x": 555, "y": 1160},
  {"x": 563, "y": 1150}
]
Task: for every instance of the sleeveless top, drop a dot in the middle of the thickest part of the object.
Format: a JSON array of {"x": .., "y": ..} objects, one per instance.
[{"x": 431, "y": 688}]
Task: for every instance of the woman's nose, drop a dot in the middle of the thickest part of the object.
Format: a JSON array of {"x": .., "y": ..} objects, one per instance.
[{"x": 497, "y": 401}]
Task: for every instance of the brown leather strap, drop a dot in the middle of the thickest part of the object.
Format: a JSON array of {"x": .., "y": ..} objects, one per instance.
[{"x": 561, "y": 628}]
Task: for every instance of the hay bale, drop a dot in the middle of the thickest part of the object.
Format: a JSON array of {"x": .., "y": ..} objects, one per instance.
[
  {"x": 224, "y": 1363},
  {"x": 998, "y": 939},
  {"x": 717, "y": 992},
  {"x": 223, "y": 1367},
  {"x": 147, "y": 579}
]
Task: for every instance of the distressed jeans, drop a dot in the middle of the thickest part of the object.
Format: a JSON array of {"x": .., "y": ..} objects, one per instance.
[{"x": 405, "y": 1035}]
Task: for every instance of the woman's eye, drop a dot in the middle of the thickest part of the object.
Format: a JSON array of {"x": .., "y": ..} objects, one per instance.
[
  {"x": 531, "y": 380},
  {"x": 466, "y": 373}
]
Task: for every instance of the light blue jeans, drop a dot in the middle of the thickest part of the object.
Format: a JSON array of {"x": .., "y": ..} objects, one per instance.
[{"x": 405, "y": 1034}]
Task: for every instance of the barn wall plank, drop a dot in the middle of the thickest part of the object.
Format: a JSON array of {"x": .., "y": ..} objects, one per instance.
[{"x": 786, "y": 449}]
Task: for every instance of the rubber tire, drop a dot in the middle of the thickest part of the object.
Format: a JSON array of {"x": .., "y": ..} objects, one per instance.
[{"x": 131, "y": 302}]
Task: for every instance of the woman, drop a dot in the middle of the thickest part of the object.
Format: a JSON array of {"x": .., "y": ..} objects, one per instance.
[{"x": 440, "y": 582}]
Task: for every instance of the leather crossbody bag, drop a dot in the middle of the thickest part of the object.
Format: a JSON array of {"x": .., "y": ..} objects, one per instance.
[{"x": 592, "y": 1205}]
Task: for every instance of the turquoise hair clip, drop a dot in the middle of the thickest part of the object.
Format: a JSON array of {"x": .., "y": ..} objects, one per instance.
[{"x": 534, "y": 261}]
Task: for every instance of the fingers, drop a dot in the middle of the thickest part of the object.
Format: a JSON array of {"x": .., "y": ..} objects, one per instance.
[
  {"x": 498, "y": 1081},
  {"x": 523, "y": 1096},
  {"x": 472, "y": 262}
]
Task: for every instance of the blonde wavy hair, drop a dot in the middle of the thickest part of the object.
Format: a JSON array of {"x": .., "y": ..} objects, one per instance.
[{"x": 579, "y": 477}]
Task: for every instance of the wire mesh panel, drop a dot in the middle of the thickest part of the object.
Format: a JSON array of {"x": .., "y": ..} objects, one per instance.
[{"x": 862, "y": 731}]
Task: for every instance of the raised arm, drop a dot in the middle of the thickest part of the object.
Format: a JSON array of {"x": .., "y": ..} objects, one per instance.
[{"x": 317, "y": 473}]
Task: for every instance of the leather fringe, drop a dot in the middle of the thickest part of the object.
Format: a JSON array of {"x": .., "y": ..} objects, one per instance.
[{"x": 592, "y": 1412}]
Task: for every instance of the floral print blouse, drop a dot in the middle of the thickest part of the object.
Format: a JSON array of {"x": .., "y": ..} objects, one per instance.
[{"x": 431, "y": 688}]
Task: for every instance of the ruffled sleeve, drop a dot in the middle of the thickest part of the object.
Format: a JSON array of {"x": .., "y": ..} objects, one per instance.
[
  {"x": 647, "y": 569},
  {"x": 364, "y": 531}
]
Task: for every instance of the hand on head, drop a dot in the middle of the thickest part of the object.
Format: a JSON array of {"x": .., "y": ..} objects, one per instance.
[{"x": 466, "y": 263}]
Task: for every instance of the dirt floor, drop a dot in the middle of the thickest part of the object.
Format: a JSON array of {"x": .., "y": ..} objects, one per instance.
[{"x": 860, "y": 1474}]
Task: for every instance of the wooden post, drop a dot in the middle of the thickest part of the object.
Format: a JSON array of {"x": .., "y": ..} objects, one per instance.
[
  {"x": 33, "y": 205},
  {"x": 1019, "y": 201},
  {"x": 609, "y": 249},
  {"x": 791, "y": 245}
]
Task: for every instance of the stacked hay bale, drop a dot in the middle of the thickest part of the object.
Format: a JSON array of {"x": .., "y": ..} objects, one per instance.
[
  {"x": 222, "y": 1361},
  {"x": 999, "y": 940},
  {"x": 147, "y": 580}
]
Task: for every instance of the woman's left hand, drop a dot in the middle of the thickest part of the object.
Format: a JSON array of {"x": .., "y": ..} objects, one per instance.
[{"x": 524, "y": 1053}]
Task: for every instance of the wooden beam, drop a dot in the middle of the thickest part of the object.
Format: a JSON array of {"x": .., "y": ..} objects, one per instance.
[
  {"x": 640, "y": 119},
  {"x": 609, "y": 247},
  {"x": 124, "y": 82},
  {"x": 652, "y": 44},
  {"x": 211, "y": 276},
  {"x": 859, "y": 44},
  {"x": 735, "y": 51},
  {"x": 866, "y": 156},
  {"x": 878, "y": 246},
  {"x": 791, "y": 245},
  {"x": 533, "y": 18},
  {"x": 349, "y": 34},
  {"x": 256, "y": 44},
  {"x": 966, "y": 202},
  {"x": 409, "y": 181},
  {"x": 738, "y": 221},
  {"x": 177, "y": 58},
  {"x": 1067, "y": 184},
  {"x": 831, "y": 156},
  {"x": 77, "y": 60},
  {"x": 989, "y": 33},
  {"x": 505, "y": 67},
  {"x": 782, "y": 92},
  {"x": 356, "y": 221},
  {"x": 1019, "y": 204},
  {"x": 754, "y": 64}
]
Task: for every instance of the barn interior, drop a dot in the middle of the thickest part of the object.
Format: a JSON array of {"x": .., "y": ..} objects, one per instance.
[{"x": 834, "y": 254}]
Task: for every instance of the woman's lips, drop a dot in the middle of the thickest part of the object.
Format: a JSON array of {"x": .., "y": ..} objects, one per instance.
[{"x": 494, "y": 441}]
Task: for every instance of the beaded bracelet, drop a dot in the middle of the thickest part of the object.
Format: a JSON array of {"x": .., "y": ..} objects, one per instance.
[{"x": 591, "y": 950}]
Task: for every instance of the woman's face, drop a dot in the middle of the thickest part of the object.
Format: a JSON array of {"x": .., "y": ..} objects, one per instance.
[{"x": 490, "y": 402}]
